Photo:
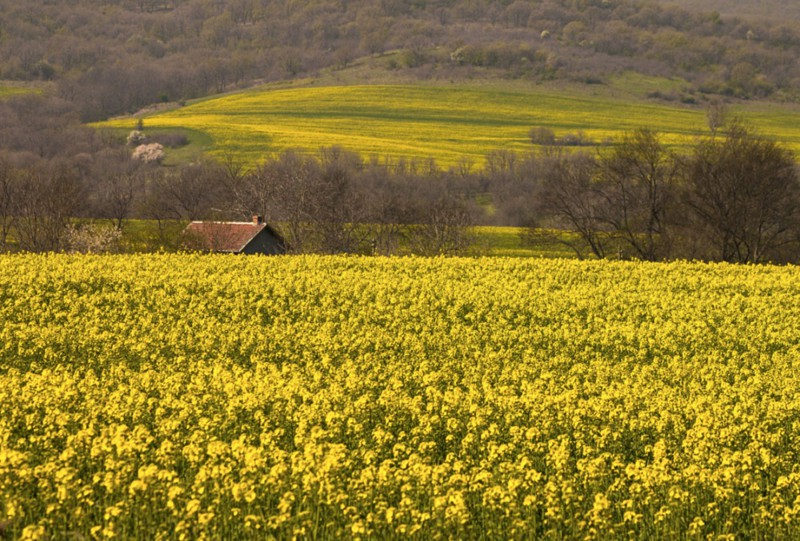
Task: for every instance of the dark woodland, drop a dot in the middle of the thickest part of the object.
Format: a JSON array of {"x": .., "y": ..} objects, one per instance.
[{"x": 107, "y": 57}]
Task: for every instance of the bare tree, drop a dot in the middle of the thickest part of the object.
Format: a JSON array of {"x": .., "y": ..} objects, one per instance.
[
  {"x": 154, "y": 204},
  {"x": 541, "y": 135},
  {"x": 119, "y": 192},
  {"x": 571, "y": 200},
  {"x": 442, "y": 227},
  {"x": 387, "y": 207},
  {"x": 197, "y": 191},
  {"x": 716, "y": 115},
  {"x": 340, "y": 207},
  {"x": 118, "y": 181},
  {"x": 8, "y": 195},
  {"x": 438, "y": 217},
  {"x": 317, "y": 203},
  {"x": 290, "y": 193},
  {"x": 745, "y": 193},
  {"x": 254, "y": 192},
  {"x": 637, "y": 180},
  {"x": 511, "y": 191},
  {"x": 46, "y": 200}
]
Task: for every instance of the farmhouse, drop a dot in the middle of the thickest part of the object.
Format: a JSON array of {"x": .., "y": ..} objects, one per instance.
[{"x": 255, "y": 237}]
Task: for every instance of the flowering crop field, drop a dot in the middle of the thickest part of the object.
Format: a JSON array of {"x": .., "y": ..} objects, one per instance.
[
  {"x": 222, "y": 397},
  {"x": 449, "y": 123}
]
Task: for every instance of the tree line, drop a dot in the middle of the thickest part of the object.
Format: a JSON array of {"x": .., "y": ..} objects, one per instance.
[
  {"x": 109, "y": 57},
  {"x": 64, "y": 186},
  {"x": 329, "y": 203},
  {"x": 733, "y": 196}
]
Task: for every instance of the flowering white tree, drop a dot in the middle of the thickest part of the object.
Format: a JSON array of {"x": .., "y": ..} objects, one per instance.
[
  {"x": 149, "y": 153},
  {"x": 91, "y": 239},
  {"x": 136, "y": 138}
]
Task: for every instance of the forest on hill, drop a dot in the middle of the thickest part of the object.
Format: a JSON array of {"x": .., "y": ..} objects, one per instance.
[{"x": 107, "y": 57}]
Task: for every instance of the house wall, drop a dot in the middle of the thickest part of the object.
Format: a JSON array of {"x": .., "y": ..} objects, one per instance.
[{"x": 265, "y": 243}]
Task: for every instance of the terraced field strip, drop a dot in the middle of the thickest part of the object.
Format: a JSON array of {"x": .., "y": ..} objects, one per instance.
[{"x": 7, "y": 91}]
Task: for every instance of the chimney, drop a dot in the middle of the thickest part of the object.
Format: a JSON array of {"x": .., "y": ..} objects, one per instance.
[{"x": 258, "y": 220}]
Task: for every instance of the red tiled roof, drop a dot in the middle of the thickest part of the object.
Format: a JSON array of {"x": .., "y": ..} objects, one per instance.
[{"x": 224, "y": 236}]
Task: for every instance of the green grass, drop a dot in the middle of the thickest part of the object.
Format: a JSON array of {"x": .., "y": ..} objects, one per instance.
[
  {"x": 148, "y": 235},
  {"x": 152, "y": 236},
  {"x": 642, "y": 85},
  {"x": 511, "y": 242},
  {"x": 449, "y": 123}
]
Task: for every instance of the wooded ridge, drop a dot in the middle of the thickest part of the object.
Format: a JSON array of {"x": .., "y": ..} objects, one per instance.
[{"x": 115, "y": 56}]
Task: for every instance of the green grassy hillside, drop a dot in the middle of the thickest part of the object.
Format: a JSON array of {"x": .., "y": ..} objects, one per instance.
[{"x": 449, "y": 123}]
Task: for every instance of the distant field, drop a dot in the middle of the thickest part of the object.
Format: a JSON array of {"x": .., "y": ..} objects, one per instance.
[
  {"x": 448, "y": 123},
  {"x": 8, "y": 90}
]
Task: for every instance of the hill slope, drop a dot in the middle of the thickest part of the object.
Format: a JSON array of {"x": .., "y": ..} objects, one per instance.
[
  {"x": 449, "y": 123},
  {"x": 111, "y": 57},
  {"x": 769, "y": 9}
]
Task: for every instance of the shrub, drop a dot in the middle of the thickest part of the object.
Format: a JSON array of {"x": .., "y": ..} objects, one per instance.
[
  {"x": 149, "y": 153},
  {"x": 92, "y": 239},
  {"x": 170, "y": 140},
  {"x": 136, "y": 138},
  {"x": 542, "y": 136}
]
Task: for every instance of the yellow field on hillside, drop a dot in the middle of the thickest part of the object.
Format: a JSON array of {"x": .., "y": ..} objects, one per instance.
[
  {"x": 448, "y": 123},
  {"x": 10, "y": 90},
  {"x": 225, "y": 397}
]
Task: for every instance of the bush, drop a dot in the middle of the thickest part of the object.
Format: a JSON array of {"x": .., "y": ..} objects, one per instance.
[
  {"x": 542, "y": 136},
  {"x": 149, "y": 153},
  {"x": 136, "y": 138},
  {"x": 170, "y": 140},
  {"x": 578, "y": 139},
  {"x": 92, "y": 239}
]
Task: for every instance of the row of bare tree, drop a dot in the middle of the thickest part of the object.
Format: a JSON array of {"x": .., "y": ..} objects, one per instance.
[
  {"x": 735, "y": 197},
  {"x": 327, "y": 204},
  {"x": 330, "y": 203},
  {"x": 53, "y": 170}
]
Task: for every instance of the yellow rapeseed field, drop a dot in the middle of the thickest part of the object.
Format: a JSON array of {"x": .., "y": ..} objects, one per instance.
[
  {"x": 224, "y": 397},
  {"x": 450, "y": 123}
]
